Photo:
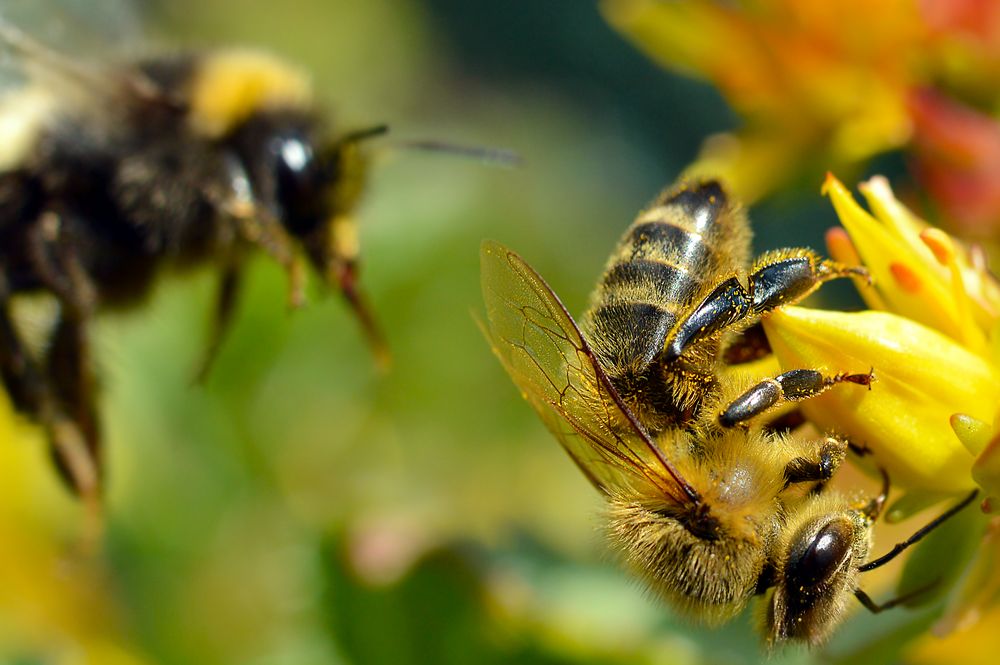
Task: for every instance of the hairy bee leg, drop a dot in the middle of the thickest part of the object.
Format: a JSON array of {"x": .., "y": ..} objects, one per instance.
[
  {"x": 783, "y": 277},
  {"x": 792, "y": 386},
  {"x": 827, "y": 456},
  {"x": 786, "y": 276},
  {"x": 226, "y": 300},
  {"x": 259, "y": 227},
  {"x": 30, "y": 389},
  {"x": 266, "y": 232},
  {"x": 74, "y": 423}
]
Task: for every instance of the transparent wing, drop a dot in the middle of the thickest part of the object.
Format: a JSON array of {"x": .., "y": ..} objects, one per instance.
[
  {"x": 85, "y": 44},
  {"x": 543, "y": 351},
  {"x": 91, "y": 27}
]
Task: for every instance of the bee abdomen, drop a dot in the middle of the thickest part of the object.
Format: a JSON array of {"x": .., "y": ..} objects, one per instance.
[
  {"x": 628, "y": 335},
  {"x": 664, "y": 282},
  {"x": 657, "y": 235}
]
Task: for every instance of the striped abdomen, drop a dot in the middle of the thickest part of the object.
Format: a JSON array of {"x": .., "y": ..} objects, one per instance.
[{"x": 668, "y": 260}]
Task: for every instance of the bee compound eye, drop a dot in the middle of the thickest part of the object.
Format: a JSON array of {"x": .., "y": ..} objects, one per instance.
[
  {"x": 821, "y": 557},
  {"x": 301, "y": 183}
]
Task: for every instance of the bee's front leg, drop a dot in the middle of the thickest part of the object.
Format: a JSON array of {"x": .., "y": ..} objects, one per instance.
[
  {"x": 781, "y": 277},
  {"x": 226, "y": 300}
]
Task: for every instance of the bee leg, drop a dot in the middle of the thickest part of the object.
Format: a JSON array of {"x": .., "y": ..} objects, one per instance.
[
  {"x": 875, "y": 608},
  {"x": 792, "y": 386},
  {"x": 786, "y": 276},
  {"x": 225, "y": 306},
  {"x": 266, "y": 232},
  {"x": 31, "y": 390},
  {"x": 783, "y": 277},
  {"x": 345, "y": 274},
  {"x": 259, "y": 227},
  {"x": 73, "y": 416},
  {"x": 820, "y": 466}
]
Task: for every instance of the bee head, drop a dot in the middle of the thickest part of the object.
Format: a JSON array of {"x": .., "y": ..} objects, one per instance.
[
  {"x": 817, "y": 573},
  {"x": 316, "y": 188},
  {"x": 309, "y": 185}
]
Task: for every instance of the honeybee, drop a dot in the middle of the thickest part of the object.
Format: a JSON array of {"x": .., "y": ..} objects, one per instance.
[
  {"x": 113, "y": 170},
  {"x": 670, "y": 304},
  {"x": 708, "y": 515}
]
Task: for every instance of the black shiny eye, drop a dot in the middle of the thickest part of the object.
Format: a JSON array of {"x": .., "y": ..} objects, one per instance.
[
  {"x": 821, "y": 558},
  {"x": 302, "y": 184}
]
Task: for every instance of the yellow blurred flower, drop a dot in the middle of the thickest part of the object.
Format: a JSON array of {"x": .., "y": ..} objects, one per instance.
[
  {"x": 55, "y": 599},
  {"x": 802, "y": 82},
  {"x": 830, "y": 84}
]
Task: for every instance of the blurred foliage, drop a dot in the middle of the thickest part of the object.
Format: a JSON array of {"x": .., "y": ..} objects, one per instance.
[{"x": 303, "y": 508}]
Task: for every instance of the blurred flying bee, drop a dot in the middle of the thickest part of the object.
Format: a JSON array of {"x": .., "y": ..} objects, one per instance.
[
  {"x": 110, "y": 171},
  {"x": 707, "y": 514}
]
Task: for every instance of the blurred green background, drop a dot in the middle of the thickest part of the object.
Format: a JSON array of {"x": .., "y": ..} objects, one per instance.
[{"x": 301, "y": 507}]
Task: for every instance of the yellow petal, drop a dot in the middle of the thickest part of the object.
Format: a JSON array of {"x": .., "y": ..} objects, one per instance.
[
  {"x": 908, "y": 285},
  {"x": 976, "y": 291},
  {"x": 679, "y": 35},
  {"x": 842, "y": 250},
  {"x": 974, "y": 434},
  {"x": 922, "y": 377},
  {"x": 986, "y": 471}
]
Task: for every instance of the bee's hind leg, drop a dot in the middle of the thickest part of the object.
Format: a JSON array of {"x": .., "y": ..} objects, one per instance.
[
  {"x": 72, "y": 416},
  {"x": 792, "y": 386},
  {"x": 71, "y": 433}
]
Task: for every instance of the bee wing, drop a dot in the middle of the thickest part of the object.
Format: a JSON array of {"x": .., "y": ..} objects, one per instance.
[
  {"x": 83, "y": 46},
  {"x": 547, "y": 357}
]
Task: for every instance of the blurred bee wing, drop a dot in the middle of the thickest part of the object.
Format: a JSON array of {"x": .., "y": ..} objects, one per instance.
[
  {"x": 545, "y": 354},
  {"x": 85, "y": 45}
]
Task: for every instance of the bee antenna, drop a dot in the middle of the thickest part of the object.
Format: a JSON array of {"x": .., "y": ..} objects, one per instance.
[
  {"x": 359, "y": 135},
  {"x": 486, "y": 155},
  {"x": 930, "y": 526}
]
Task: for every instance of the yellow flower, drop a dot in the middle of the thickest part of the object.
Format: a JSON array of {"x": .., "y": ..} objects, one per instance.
[{"x": 932, "y": 340}]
